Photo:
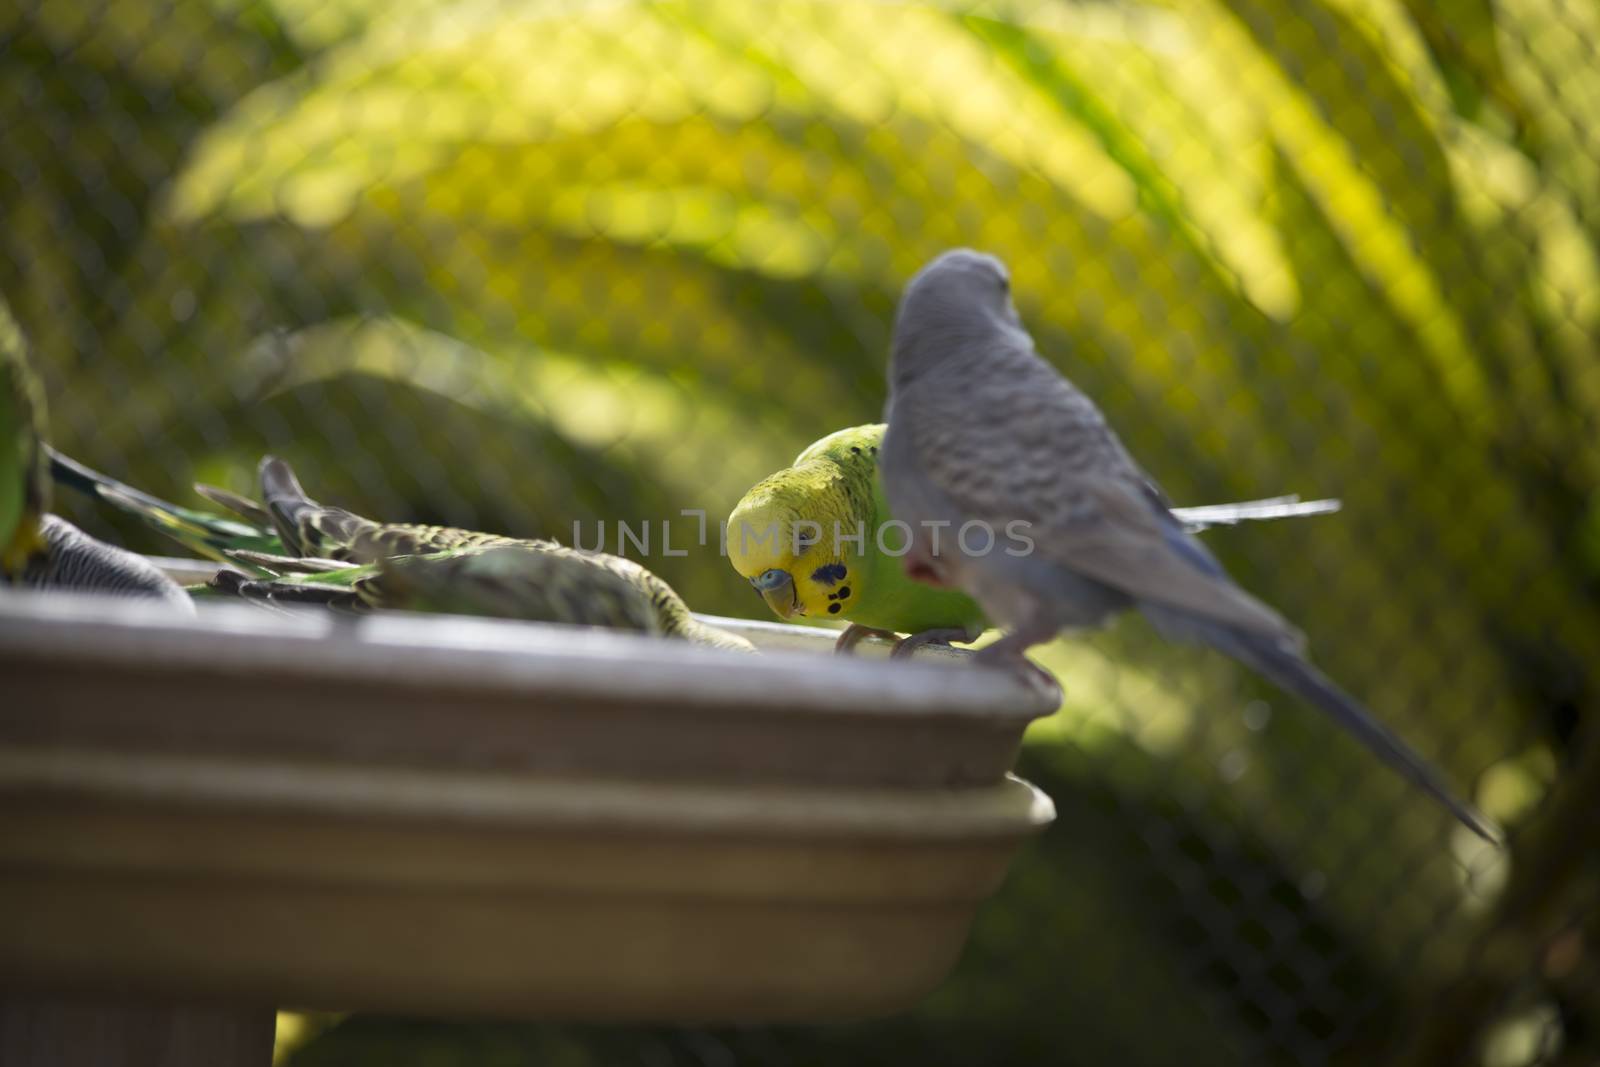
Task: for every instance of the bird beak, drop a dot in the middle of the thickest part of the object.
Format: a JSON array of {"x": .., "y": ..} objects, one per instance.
[{"x": 777, "y": 589}]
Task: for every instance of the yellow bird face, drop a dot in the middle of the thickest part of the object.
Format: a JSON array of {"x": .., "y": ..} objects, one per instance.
[{"x": 792, "y": 559}]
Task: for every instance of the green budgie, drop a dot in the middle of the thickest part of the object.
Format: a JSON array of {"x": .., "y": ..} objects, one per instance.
[
  {"x": 545, "y": 584},
  {"x": 288, "y": 532},
  {"x": 812, "y": 540},
  {"x": 39, "y": 550}
]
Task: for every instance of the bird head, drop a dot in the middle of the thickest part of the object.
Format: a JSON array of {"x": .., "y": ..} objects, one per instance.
[
  {"x": 781, "y": 538},
  {"x": 960, "y": 295}
]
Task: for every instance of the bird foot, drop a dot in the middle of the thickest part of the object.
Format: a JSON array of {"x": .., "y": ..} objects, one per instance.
[
  {"x": 1000, "y": 656},
  {"x": 855, "y": 634},
  {"x": 908, "y": 646}
]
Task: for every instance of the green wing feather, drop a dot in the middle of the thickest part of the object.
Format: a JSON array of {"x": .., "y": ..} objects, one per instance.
[
  {"x": 203, "y": 533},
  {"x": 310, "y": 527},
  {"x": 289, "y": 525},
  {"x": 291, "y": 549}
]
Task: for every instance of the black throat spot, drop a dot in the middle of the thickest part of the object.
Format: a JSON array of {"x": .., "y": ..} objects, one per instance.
[{"x": 830, "y": 574}]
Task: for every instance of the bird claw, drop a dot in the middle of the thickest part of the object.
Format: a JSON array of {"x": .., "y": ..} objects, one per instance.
[
  {"x": 854, "y": 634},
  {"x": 908, "y": 646},
  {"x": 1000, "y": 656}
]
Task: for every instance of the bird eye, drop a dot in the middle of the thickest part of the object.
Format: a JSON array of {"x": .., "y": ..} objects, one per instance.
[
  {"x": 770, "y": 579},
  {"x": 805, "y": 538}
]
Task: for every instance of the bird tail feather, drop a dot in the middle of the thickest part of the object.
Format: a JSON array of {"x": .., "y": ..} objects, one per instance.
[
  {"x": 203, "y": 533},
  {"x": 1266, "y": 509},
  {"x": 1281, "y": 664}
]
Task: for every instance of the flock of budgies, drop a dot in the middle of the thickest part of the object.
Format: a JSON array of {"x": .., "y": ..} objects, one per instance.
[{"x": 995, "y": 494}]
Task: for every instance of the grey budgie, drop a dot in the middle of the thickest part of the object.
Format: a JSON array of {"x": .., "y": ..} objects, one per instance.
[
  {"x": 75, "y": 562},
  {"x": 1066, "y": 529}
]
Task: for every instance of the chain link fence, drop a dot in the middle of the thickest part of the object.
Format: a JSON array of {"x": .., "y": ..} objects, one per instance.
[{"x": 520, "y": 265}]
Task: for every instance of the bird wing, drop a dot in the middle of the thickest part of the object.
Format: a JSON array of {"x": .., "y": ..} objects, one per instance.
[
  {"x": 1055, "y": 464},
  {"x": 1116, "y": 536},
  {"x": 310, "y": 528}
]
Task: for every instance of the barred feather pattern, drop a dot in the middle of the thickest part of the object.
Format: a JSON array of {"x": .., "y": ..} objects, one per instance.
[
  {"x": 309, "y": 528},
  {"x": 76, "y": 562},
  {"x": 514, "y": 582}
]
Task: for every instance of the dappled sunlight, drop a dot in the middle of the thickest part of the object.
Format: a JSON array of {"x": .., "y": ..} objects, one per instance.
[
  {"x": 595, "y": 406},
  {"x": 537, "y": 266},
  {"x": 1531, "y": 1036}
]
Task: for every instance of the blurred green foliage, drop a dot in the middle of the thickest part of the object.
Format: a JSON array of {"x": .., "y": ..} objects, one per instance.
[{"x": 517, "y": 264}]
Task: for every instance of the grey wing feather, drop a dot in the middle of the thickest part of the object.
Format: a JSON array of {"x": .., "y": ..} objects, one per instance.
[
  {"x": 1163, "y": 566},
  {"x": 1056, "y": 465}
]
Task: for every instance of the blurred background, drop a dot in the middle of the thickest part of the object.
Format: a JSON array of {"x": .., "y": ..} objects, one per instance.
[{"x": 513, "y": 264}]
